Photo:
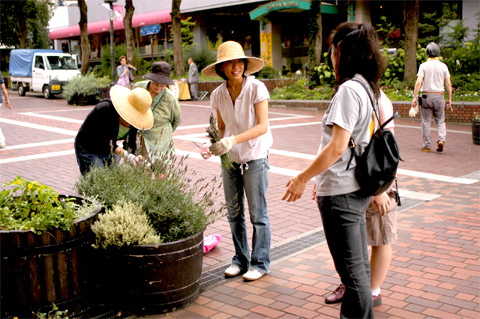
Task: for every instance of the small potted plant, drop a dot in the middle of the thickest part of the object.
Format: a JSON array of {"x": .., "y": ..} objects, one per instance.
[
  {"x": 476, "y": 128},
  {"x": 151, "y": 237},
  {"x": 45, "y": 243}
]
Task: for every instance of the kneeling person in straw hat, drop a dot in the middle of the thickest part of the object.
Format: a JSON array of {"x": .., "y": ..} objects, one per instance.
[
  {"x": 242, "y": 118},
  {"x": 111, "y": 120}
]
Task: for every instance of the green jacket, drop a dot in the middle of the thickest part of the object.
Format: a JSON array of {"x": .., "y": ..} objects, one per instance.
[{"x": 167, "y": 116}]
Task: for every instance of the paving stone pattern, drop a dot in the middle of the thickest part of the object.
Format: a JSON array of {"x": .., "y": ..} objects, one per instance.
[{"x": 435, "y": 268}]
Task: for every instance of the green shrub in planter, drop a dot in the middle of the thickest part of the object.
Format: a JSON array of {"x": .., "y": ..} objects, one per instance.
[
  {"x": 84, "y": 87},
  {"x": 176, "y": 204}
]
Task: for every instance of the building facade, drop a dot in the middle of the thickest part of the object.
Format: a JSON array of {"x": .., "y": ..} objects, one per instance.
[{"x": 277, "y": 31}]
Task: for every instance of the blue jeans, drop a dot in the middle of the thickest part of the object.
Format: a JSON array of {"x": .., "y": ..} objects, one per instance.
[
  {"x": 343, "y": 218},
  {"x": 85, "y": 160},
  {"x": 253, "y": 183}
]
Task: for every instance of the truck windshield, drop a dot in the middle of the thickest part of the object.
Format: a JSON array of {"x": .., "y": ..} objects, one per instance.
[{"x": 61, "y": 63}]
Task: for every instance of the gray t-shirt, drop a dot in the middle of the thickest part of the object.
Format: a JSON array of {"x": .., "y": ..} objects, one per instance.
[
  {"x": 352, "y": 110},
  {"x": 434, "y": 74}
]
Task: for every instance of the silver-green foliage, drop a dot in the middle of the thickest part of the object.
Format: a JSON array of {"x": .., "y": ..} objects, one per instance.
[
  {"x": 86, "y": 85},
  {"x": 124, "y": 225}
]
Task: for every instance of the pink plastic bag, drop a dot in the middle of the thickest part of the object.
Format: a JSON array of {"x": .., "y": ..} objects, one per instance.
[{"x": 209, "y": 242}]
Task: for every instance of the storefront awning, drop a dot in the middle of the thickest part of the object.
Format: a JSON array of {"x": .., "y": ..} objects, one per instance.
[
  {"x": 104, "y": 26},
  {"x": 288, "y": 6}
]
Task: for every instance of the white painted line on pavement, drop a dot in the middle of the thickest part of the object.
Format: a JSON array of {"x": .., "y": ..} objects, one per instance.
[
  {"x": 51, "y": 117},
  {"x": 36, "y": 156},
  {"x": 436, "y": 177},
  {"x": 293, "y": 125},
  {"x": 433, "y": 129},
  {"x": 39, "y": 127},
  {"x": 13, "y": 147}
]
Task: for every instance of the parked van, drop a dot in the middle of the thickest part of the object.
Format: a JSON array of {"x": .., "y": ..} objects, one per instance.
[{"x": 39, "y": 70}]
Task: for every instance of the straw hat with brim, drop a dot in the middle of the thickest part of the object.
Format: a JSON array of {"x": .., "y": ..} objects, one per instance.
[
  {"x": 231, "y": 50},
  {"x": 160, "y": 73},
  {"x": 133, "y": 106}
]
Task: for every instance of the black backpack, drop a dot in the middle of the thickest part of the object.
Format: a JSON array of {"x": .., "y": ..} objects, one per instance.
[{"x": 377, "y": 166}]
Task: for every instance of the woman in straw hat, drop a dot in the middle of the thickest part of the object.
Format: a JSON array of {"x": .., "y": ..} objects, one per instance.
[
  {"x": 242, "y": 117},
  {"x": 166, "y": 110},
  {"x": 117, "y": 118}
]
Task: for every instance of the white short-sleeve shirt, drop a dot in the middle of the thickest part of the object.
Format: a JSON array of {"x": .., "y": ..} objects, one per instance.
[{"x": 242, "y": 117}]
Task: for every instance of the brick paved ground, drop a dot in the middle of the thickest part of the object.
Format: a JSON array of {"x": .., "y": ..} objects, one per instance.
[{"x": 435, "y": 269}]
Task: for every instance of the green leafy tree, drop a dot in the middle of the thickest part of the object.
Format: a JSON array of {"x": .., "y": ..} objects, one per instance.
[
  {"x": 23, "y": 22},
  {"x": 187, "y": 33},
  {"x": 177, "y": 38}
]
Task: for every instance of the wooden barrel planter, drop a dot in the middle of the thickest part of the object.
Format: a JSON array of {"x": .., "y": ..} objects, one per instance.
[
  {"x": 476, "y": 131},
  {"x": 39, "y": 270},
  {"x": 154, "y": 278}
]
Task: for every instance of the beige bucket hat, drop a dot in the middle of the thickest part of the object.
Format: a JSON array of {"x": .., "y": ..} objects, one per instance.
[
  {"x": 231, "y": 50},
  {"x": 133, "y": 106}
]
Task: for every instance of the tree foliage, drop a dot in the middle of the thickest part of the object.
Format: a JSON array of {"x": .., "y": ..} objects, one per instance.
[
  {"x": 177, "y": 38},
  {"x": 23, "y": 23}
]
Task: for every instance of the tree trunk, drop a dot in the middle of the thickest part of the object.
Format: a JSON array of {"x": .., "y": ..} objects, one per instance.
[
  {"x": 319, "y": 36},
  {"x": 315, "y": 34},
  {"x": 411, "y": 11},
  {"x": 84, "y": 43},
  {"x": 129, "y": 39},
  {"x": 22, "y": 26},
  {"x": 177, "y": 38}
]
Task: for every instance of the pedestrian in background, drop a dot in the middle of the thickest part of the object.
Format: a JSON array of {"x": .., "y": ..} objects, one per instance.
[
  {"x": 166, "y": 111},
  {"x": 112, "y": 120},
  {"x": 432, "y": 78},
  {"x": 7, "y": 105},
  {"x": 356, "y": 56},
  {"x": 124, "y": 72},
  {"x": 193, "y": 79},
  {"x": 241, "y": 103}
]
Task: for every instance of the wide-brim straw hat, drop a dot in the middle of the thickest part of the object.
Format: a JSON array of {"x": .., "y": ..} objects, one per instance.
[
  {"x": 160, "y": 73},
  {"x": 133, "y": 106},
  {"x": 231, "y": 50}
]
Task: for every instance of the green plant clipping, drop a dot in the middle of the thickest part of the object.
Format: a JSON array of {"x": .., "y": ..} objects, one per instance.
[
  {"x": 214, "y": 136},
  {"x": 124, "y": 225},
  {"x": 28, "y": 205}
]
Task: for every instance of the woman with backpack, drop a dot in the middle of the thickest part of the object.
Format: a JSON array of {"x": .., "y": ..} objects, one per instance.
[{"x": 355, "y": 55}]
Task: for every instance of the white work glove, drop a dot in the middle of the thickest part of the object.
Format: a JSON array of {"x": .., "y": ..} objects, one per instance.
[
  {"x": 205, "y": 152},
  {"x": 223, "y": 146},
  {"x": 413, "y": 111},
  {"x": 129, "y": 157}
]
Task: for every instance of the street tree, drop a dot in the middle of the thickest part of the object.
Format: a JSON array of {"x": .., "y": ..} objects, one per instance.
[
  {"x": 129, "y": 39},
  {"x": 316, "y": 34},
  {"x": 177, "y": 38},
  {"x": 411, "y": 12},
  {"x": 84, "y": 42},
  {"x": 23, "y": 23}
]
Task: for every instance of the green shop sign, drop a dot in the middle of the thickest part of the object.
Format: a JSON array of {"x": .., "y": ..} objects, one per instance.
[{"x": 299, "y": 5}]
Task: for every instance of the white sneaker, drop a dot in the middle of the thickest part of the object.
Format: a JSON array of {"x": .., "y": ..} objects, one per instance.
[
  {"x": 2, "y": 145},
  {"x": 253, "y": 274},
  {"x": 232, "y": 271}
]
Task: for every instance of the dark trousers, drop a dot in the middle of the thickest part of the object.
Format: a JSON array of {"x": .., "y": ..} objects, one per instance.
[{"x": 343, "y": 218}]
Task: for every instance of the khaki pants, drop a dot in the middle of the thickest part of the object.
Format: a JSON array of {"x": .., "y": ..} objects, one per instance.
[{"x": 433, "y": 104}]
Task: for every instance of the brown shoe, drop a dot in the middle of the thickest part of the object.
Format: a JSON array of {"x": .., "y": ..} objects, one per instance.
[
  {"x": 336, "y": 295},
  {"x": 426, "y": 149},
  {"x": 440, "y": 146}
]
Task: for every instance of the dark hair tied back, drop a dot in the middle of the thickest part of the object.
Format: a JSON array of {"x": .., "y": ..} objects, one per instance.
[{"x": 357, "y": 51}]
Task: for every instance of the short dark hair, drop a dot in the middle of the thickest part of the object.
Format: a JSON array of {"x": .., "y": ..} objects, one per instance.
[
  {"x": 220, "y": 73},
  {"x": 357, "y": 50}
]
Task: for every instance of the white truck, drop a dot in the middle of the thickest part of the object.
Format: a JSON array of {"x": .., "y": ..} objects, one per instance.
[{"x": 40, "y": 70}]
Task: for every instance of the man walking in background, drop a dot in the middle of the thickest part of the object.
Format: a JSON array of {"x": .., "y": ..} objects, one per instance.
[
  {"x": 193, "y": 79},
  {"x": 434, "y": 75}
]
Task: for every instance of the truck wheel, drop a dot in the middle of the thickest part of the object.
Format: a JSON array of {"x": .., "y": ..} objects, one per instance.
[
  {"x": 21, "y": 89},
  {"x": 46, "y": 92}
]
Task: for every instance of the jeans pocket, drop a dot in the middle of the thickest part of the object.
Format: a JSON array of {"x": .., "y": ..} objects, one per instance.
[{"x": 357, "y": 203}]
